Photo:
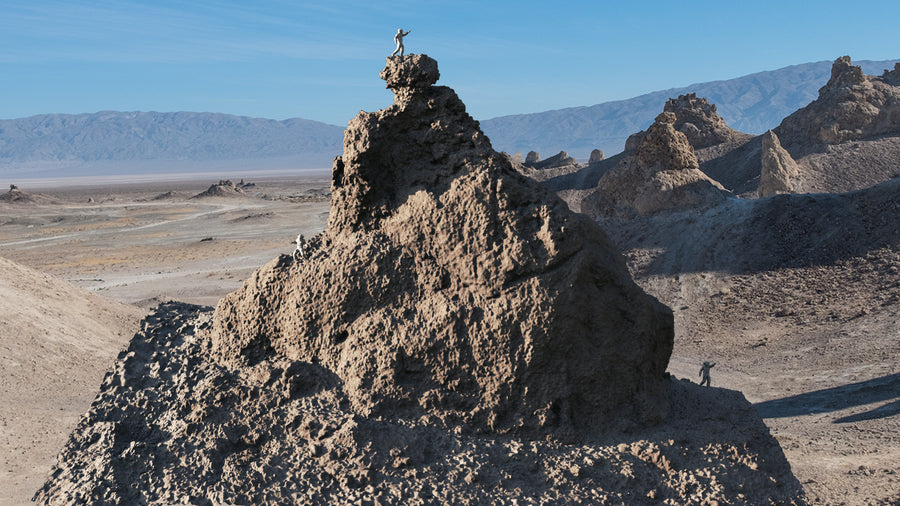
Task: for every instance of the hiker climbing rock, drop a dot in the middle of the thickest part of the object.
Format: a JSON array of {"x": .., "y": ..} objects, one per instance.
[
  {"x": 704, "y": 372},
  {"x": 398, "y": 38},
  {"x": 301, "y": 244}
]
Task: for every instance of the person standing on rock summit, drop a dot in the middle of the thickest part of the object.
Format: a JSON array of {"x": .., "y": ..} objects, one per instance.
[
  {"x": 704, "y": 373},
  {"x": 398, "y": 38}
]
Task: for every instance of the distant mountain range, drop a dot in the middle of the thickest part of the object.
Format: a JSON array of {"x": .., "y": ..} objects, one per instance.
[
  {"x": 54, "y": 145},
  {"x": 130, "y": 142}
]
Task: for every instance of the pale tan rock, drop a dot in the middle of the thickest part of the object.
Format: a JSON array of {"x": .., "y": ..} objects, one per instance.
[
  {"x": 661, "y": 174},
  {"x": 596, "y": 156},
  {"x": 447, "y": 282},
  {"x": 850, "y": 106},
  {"x": 779, "y": 172},
  {"x": 698, "y": 120}
]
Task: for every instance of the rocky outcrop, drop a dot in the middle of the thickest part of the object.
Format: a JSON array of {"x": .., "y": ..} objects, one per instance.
[
  {"x": 561, "y": 159},
  {"x": 224, "y": 188},
  {"x": 851, "y": 106},
  {"x": 698, "y": 120},
  {"x": 596, "y": 156},
  {"x": 16, "y": 195},
  {"x": 779, "y": 172},
  {"x": 662, "y": 173},
  {"x": 447, "y": 283}
]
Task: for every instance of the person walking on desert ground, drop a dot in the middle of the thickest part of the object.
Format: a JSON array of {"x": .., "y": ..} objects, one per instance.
[
  {"x": 398, "y": 38},
  {"x": 704, "y": 373}
]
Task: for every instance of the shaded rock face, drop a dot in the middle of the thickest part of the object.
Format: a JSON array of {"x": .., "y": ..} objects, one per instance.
[
  {"x": 698, "y": 120},
  {"x": 662, "y": 173},
  {"x": 779, "y": 172},
  {"x": 447, "y": 284},
  {"x": 532, "y": 158},
  {"x": 850, "y": 106},
  {"x": 561, "y": 159}
]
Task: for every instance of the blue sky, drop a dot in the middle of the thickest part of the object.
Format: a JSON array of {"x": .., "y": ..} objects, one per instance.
[{"x": 320, "y": 60}]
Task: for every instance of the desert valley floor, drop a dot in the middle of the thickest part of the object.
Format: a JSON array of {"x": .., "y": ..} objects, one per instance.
[{"x": 820, "y": 366}]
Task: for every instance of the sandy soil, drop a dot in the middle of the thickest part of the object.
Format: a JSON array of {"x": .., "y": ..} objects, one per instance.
[
  {"x": 818, "y": 359},
  {"x": 137, "y": 245},
  {"x": 143, "y": 243}
]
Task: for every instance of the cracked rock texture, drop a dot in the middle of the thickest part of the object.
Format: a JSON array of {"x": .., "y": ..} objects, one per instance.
[{"x": 447, "y": 283}]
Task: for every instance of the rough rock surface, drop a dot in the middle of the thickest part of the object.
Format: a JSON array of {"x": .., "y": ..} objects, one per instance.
[
  {"x": 845, "y": 140},
  {"x": 779, "y": 172},
  {"x": 532, "y": 158},
  {"x": 698, "y": 120},
  {"x": 850, "y": 106},
  {"x": 456, "y": 335},
  {"x": 660, "y": 174},
  {"x": 448, "y": 283},
  {"x": 173, "y": 427},
  {"x": 596, "y": 156}
]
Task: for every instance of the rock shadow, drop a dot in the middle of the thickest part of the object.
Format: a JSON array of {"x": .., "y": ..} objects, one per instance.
[{"x": 885, "y": 388}]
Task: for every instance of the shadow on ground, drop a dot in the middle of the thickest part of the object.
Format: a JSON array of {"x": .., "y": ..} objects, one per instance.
[{"x": 885, "y": 388}]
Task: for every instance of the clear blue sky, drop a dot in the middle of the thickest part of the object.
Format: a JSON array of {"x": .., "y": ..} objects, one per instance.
[{"x": 320, "y": 60}]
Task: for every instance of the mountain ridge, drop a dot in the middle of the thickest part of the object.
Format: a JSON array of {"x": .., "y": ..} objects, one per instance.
[{"x": 112, "y": 142}]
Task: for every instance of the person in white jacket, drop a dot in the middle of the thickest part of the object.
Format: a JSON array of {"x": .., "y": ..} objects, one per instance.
[{"x": 398, "y": 38}]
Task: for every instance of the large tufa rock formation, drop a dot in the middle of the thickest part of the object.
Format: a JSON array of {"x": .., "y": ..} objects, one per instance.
[
  {"x": 660, "y": 174},
  {"x": 449, "y": 284},
  {"x": 779, "y": 172},
  {"x": 698, "y": 120},
  {"x": 447, "y": 297},
  {"x": 850, "y": 106}
]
